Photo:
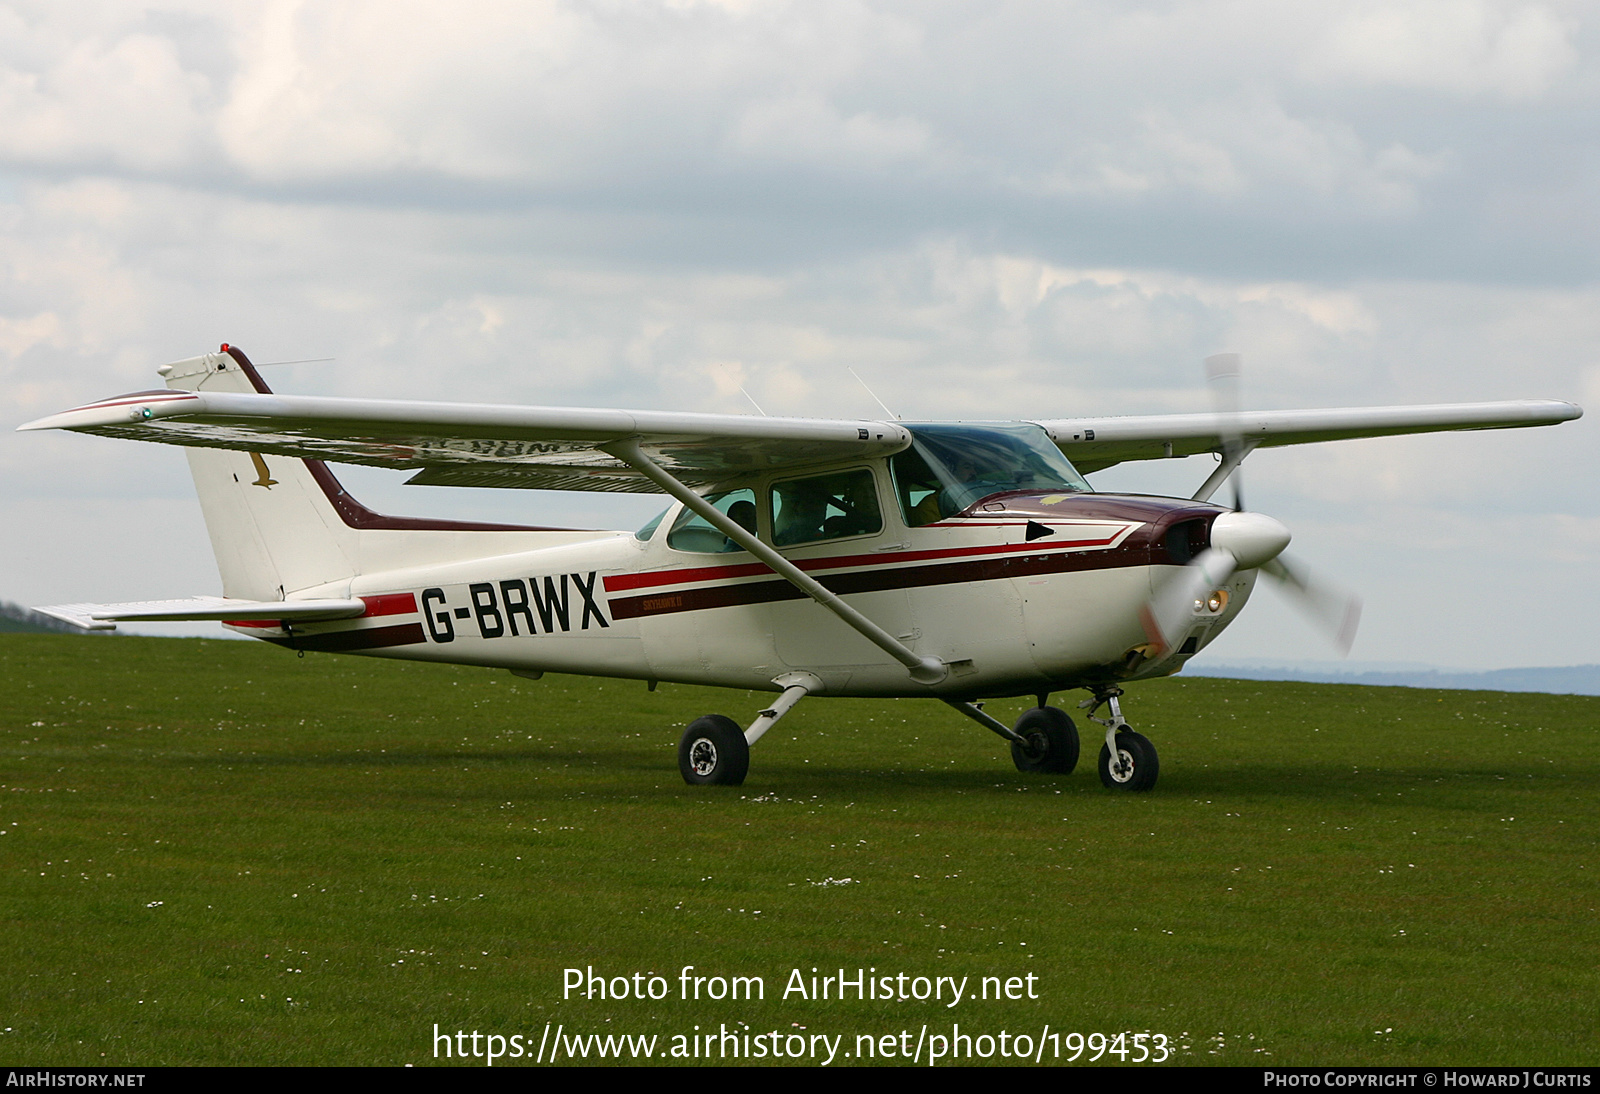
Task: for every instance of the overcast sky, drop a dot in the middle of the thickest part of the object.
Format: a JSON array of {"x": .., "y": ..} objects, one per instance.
[{"x": 986, "y": 209}]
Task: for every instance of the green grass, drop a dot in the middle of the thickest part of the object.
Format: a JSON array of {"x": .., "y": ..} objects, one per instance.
[{"x": 217, "y": 853}]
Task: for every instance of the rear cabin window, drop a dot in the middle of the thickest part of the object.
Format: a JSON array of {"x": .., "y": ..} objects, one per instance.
[
  {"x": 691, "y": 532},
  {"x": 643, "y": 535},
  {"x": 825, "y": 507}
]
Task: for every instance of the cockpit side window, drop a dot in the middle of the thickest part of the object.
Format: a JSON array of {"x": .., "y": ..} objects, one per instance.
[
  {"x": 917, "y": 487},
  {"x": 951, "y": 466},
  {"x": 825, "y": 507},
  {"x": 691, "y": 532}
]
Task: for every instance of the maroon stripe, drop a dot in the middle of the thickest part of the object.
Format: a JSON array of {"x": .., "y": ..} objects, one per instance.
[
  {"x": 694, "y": 600},
  {"x": 356, "y": 515},
  {"x": 905, "y": 577},
  {"x": 247, "y": 368},
  {"x": 371, "y": 638},
  {"x": 166, "y": 396}
]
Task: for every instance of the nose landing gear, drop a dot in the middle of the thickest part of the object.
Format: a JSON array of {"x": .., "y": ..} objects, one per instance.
[{"x": 1128, "y": 760}]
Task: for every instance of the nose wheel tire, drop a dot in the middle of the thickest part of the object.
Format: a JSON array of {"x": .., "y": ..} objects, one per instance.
[
  {"x": 713, "y": 752},
  {"x": 1049, "y": 741},
  {"x": 1136, "y": 765}
]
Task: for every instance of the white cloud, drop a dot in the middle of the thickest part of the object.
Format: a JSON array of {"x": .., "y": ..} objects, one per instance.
[
  {"x": 1475, "y": 48},
  {"x": 807, "y": 129},
  {"x": 118, "y": 100}
]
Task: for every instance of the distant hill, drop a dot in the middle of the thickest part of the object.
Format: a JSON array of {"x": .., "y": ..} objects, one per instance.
[
  {"x": 1563, "y": 680},
  {"x": 15, "y": 619}
]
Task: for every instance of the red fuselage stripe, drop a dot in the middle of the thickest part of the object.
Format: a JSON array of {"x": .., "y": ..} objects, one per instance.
[
  {"x": 390, "y": 604},
  {"x": 384, "y": 604},
  {"x": 882, "y": 561}
]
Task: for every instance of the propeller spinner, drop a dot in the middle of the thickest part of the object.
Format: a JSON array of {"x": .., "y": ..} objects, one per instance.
[{"x": 1242, "y": 541}]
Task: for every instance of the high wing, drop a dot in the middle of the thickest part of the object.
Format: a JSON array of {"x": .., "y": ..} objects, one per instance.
[
  {"x": 1094, "y": 444},
  {"x": 464, "y": 444},
  {"x": 569, "y": 448}
]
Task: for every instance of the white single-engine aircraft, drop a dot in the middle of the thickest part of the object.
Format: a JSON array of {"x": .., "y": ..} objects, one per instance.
[{"x": 949, "y": 560}]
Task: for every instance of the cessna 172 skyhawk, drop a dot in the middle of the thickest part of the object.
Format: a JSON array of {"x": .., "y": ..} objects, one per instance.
[{"x": 950, "y": 560}]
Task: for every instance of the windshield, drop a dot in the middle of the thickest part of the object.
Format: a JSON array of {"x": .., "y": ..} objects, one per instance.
[{"x": 950, "y": 466}]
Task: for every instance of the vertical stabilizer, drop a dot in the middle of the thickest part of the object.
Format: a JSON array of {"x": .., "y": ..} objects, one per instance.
[{"x": 272, "y": 526}]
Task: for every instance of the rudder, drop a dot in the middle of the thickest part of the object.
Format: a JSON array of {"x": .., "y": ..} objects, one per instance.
[{"x": 273, "y": 528}]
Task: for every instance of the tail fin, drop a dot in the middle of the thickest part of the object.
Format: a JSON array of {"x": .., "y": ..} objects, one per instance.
[{"x": 273, "y": 528}]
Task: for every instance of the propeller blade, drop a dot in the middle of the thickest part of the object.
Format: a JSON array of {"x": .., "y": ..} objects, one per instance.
[
  {"x": 1169, "y": 612},
  {"x": 1222, "y": 376},
  {"x": 1333, "y": 609},
  {"x": 1239, "y": 541}
]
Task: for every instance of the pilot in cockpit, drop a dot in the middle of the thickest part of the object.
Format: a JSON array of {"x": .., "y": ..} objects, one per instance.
[
  {"x": 858, "y": 512},
  {"x": 799, "y": 520}
]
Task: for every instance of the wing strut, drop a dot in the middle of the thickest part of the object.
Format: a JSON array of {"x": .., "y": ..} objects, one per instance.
[
  {"x": 1230, "y": 463},
  {"x": 924, "y": 670}
]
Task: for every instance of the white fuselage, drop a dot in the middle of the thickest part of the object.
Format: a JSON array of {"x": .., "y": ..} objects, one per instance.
[{"x": 1007, "y": 614}]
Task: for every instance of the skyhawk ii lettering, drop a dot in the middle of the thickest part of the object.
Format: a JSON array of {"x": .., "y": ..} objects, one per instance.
[{"x": 956, "y": 561}]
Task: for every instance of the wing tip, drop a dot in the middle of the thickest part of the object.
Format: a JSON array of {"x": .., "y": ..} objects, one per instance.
[{"x": 76, "y": 615}]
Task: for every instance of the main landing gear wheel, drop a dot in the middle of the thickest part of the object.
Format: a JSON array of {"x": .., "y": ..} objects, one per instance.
[
  {"x": 1136, "y": 766},
  {"x": 713, "y": 751},
  {"x": 1051, "y": 741}
]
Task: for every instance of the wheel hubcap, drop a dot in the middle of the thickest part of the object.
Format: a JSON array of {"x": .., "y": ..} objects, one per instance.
[
  {"x": 1122, "y": 766},
  {"x": 702, "y": 757}
]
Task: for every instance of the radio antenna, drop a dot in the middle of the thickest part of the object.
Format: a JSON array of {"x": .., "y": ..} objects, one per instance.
[
  {"x": 728, "y": 371},
  {"x": 874, "y": 394}
]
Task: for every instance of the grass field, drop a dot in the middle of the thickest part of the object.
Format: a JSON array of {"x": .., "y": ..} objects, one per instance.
[{"x": 216, "y": 853}]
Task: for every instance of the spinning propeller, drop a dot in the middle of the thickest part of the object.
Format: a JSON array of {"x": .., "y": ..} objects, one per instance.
[{"x": 1241, "y": 541}]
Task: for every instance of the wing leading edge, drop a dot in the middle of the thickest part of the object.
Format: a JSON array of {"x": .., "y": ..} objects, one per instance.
[{"x": 1094, "y": 444}]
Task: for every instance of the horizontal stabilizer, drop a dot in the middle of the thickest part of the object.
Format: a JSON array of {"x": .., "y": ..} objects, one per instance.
[{"x": 104, "y": 617}]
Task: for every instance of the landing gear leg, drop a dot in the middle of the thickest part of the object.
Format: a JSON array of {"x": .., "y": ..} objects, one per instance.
[
  {"x": 1044, "y": 739},
  {"x": 1128, "y": 760},
  {"x": 715, "y": 751}
]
